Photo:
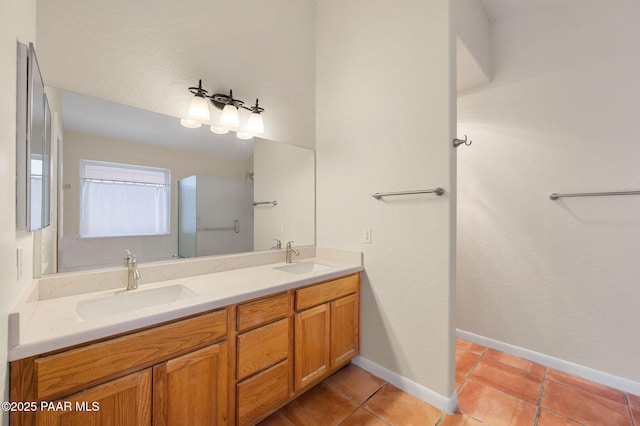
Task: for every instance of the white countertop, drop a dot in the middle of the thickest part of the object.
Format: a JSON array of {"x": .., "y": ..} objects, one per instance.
[{"x": 54, "y": 324}]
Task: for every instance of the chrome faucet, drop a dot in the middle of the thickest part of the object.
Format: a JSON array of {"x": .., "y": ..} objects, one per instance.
[
  {"x": 278, "y": 245},
  {"x": 290, "y": 250},
  {"x": 133, "y": 274}
]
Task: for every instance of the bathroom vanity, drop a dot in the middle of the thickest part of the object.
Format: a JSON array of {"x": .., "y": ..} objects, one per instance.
[{"x": 226, "y": 365}]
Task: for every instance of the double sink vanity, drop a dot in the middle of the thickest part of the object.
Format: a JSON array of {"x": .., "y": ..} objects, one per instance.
[{"x": 224, "y": 340}]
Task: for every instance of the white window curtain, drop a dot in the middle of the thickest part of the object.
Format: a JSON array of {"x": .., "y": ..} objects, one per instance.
[
  {"x": 120, "y": 207},
  {"x": 36, "y": 192}
]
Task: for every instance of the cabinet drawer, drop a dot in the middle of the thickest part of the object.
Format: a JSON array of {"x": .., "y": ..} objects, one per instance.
[
  {"x": 262, "y": 311},
  {"x": 91, "y": 364},
  {"x": 325, "y": 292},
  {"x": 262, "y": 347},
  {"x": 263, "y": 393}
]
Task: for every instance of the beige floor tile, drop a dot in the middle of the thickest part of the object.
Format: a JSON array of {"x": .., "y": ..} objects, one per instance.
[
  {"x": 634, "y": 406},
  {"x": 401, "y": 409},
  {"x": 511, "y": 380},
  {"x": 363, "y": 418},
  {"x": 585, "y": 385},
  {"x": 495, "y": 407},
  {"x": 546, "y": 418},
  {"x": 523, "y": 364},
  {"x": 474, "y": 348},
  {"x": 465, "y": 361},
  {"x": 459, "y": 419},
  {"x": 583, "y": 407},
  {"x": 355, "y": 383},
  {"x": 321, "y": 405},
  {"x": 275, "y": 420}
]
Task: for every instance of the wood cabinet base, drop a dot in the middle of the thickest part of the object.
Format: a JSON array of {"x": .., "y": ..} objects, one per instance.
[{"x": 230, "y": 366}]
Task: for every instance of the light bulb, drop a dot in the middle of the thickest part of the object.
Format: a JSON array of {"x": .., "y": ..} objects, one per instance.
[
  {"x": 244, "y": 135},
  {"x": 219, "y": 130},
  {"x": 229, "y": 117},
  {"x": 190, "y": 123},
  {"x": 255, "y": 124},
  {"x": 199, "y": 109}
]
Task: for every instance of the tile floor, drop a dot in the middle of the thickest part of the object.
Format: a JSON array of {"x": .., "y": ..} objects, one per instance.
[{"x": 494, "y": 389}]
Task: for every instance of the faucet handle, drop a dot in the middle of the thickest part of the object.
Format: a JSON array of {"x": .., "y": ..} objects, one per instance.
[
  {"x": 278, "y": 244},
  {"x": 289, "y": 244},
  {"x": 127, "y": 257}
]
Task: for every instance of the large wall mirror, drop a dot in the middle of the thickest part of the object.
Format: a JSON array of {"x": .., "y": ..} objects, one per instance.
[
  {"x": 91, "y": 53},
  {"x": 215, "y": 190}
]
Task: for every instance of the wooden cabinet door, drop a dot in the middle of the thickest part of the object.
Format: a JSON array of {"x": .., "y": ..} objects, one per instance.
[
  {"x": 312, "y": 357},
  {"x": 192, "y": 389},
  {"x": 263, "y": 393},
  {"x": 345, "y": 319},
  {"x": 121, "y": 402}
]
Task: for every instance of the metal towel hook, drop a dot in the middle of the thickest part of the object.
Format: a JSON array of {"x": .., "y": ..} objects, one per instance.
[{"x": 457, "y": 142}]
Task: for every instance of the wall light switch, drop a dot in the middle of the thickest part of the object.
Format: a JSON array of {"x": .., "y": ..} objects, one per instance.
[{"x": 366, "y": 236}]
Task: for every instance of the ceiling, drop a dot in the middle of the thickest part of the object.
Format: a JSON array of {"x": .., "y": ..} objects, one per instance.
[
  {"x": 147, "y": 53},
  {"x": 85, "y": 114}
]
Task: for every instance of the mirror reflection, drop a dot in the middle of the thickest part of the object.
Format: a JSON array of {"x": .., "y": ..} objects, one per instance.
[{"x": 137, "y": 180}]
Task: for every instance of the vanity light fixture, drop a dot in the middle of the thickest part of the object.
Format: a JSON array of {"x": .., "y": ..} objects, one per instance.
[
  {"x": 190, "y": 123},
  {"x": 198, "y": 108},
  {"x": 244, "y": 135},
  {"x": 229, "y": 119}
]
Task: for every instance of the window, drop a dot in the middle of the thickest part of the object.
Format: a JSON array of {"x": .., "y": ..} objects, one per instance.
[
  {"x": 123, "y": 199},
  {"x": 36, "y": 191}
]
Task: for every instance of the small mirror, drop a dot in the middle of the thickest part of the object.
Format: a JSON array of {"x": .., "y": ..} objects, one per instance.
[{"x": 33, "y": 148}]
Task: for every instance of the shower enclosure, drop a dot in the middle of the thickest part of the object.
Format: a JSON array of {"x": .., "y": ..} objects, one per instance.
[{"x": 215, "y": 215}]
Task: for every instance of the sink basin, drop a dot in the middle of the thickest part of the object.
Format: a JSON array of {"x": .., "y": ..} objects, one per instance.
[
  {"x": 303, "y": 268},
  {"x": 129, "y": 301}
]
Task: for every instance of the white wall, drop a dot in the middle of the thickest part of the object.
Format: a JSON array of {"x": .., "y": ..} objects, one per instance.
[
  {"x": 556, "y": 277},
  {"x": 83, "y": 253},
  {"x": 286, "y": 174},
  {"x": 147, "y": 53},
  {"x": 385, "y": 120},
  {"x": 17, "y": 22}
]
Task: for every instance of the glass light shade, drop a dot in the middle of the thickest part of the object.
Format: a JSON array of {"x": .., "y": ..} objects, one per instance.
[
  {"x": 255, "y": 124},
  {"x": 230, "y": 117},
  {"x": 199, "y": 109},
  {"x": 244, "y": 135},
  {"x": 190, "y": 123},
  {"x": 219, "y": 130}
]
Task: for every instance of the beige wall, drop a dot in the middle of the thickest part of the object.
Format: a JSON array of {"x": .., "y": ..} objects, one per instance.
[
  {"x": 556, "y": 277},
  {"x": 385, "y": 120},
  {"x": 473, "y": 44},
  {"x": 95, "y": 251},
  {"x": 473, "y": 28},
  {"x": 17, "y": 22},
  {"x": 284, "y": 173}
]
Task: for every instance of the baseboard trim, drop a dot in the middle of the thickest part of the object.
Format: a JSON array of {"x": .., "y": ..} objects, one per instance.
[
  {"x": 588, "y": 373},
  {"x": 448, "y": 405}
]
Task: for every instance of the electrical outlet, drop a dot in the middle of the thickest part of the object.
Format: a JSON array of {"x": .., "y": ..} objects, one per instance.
[{"x": 366, "y": 236}]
